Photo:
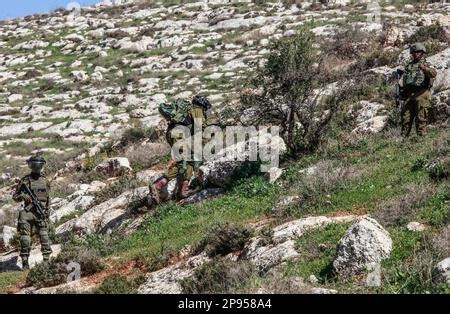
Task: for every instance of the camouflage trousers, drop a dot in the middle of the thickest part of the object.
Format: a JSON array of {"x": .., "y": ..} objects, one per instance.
[
  {"x": 183, "y": 172},
  {"x": 28, "y": 220},
  {"x": 415, "y": 111}
]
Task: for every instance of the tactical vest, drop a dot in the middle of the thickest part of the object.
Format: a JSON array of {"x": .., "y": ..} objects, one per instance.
[
  {"x": 414, "y": 78},
  {"x": 39, "y": 188}
]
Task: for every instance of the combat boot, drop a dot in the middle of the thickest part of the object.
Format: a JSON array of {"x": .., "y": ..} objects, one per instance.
[{"x": 25, "y": 265}]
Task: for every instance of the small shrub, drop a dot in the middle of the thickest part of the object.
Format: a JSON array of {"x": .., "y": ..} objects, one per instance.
[
  {"x": 54, "y": 272},
  {"x": 400, "y": 210},
  {"x": 113, "y": 190},
  {"x": 135, "y": 134},
  {"x": 118, "y": 284},
  {"x": 418, "y": 164},
  {"x": 425, "y": 33},
  {"x": 89, "y": 261},
  {"x": 439, "y": 168},
  {"x": 47, "y": 275},
  {"x": 218, "y": 276},
  {"x": 224, "y": 239}
]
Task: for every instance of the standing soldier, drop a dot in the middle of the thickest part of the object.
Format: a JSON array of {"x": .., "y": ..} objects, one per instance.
[
  {"x": 30, "y": 216},
  {"x": 417, "y": 82}
]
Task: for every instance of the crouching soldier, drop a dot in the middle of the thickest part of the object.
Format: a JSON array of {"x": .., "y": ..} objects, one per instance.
[
  {"x": 417, "y": 82},
  {"x": 35, "y": 212},
  {"x": 186, "y": 172}
]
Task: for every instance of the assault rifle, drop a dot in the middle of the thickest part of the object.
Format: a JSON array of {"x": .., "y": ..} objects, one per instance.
[
  {"x": 398, "y": 88},
  {"x": 42, "y": 213}
]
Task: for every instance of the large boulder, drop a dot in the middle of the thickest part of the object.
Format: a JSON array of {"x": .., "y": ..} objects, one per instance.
[
  {"x": 219, "y": 172},
  {"x": 103, "y": 217},
  {"x": 114, "y": 167},
  {"x": 296, "y": 228},
  {"x": 265, "y": 256},
  {"x": 80, "y": 203},
  {"x": 363, "y": 246},
  {"x": 441, "y": 272}
]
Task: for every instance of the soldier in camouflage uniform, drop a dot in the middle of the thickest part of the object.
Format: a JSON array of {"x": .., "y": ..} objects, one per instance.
[
  {"x": 187, "y": 173},
  {"x": 417, "y": 82},
  {"x": 28, "y": 217}
]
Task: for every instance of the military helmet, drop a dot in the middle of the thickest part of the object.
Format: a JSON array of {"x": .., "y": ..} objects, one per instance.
[
  {"x": 36, "y": 163},
  {"x": 418, "y": 47},
  {"x": 201, "y": 101}
]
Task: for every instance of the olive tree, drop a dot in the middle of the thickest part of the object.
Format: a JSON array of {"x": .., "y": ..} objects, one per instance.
[{"x": 287, "y": 91}]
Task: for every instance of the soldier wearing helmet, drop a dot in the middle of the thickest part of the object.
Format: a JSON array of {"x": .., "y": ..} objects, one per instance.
[
  {"x": 188, "y": 176},
  {"x": 417, "y": 82},
  {"x": 28, "y": 217}
]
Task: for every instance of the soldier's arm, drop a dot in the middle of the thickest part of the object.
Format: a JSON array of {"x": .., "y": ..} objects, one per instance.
[
  {"x": 429, "y": 71},
  {"x": 18, "y": 194}
]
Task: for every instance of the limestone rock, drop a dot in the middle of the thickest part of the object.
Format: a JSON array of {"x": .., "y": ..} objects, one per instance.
[
  {"x": 365, "y": 244},
  {"x": 165, "y": 281},
  {"x": 114, "y": 167},
  {"x": 8, "y": 235},
  {"x": 13, "y": 262},
  {"x": 441, "y": 272},
  {"x": 415, "y": 226}
]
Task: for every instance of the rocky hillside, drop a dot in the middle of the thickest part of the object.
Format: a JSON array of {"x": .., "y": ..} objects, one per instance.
[{"x": 366, "y": 212}]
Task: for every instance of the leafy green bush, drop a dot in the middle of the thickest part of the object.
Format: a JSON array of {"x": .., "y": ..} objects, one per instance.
[
  {"x": 118, "y": 284},
  {"x": 425, "y": 33},
  {"x": 54, "y": 272},
  {"x": 47, "y": 274}
]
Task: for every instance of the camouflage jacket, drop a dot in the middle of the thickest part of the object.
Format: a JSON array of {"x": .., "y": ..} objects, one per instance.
[
  {"x": 40, "y": 187},
  {"x": 416, "y": 80}
]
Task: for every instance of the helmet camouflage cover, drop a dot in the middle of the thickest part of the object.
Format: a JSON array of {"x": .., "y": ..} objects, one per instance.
[{"x": 418, "y": 47}]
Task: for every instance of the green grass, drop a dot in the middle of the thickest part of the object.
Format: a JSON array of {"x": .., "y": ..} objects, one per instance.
[
  {"x": 390, "y": 171},
  {"x": 436, "y": 211},
  {"x": 317, "y": 249},
  {"x": 9, "y": 280},
  {"x": 176, "y": 226}
]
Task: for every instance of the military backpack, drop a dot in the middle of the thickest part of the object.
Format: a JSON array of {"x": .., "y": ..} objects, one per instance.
[{"x": 177, "y": 112}]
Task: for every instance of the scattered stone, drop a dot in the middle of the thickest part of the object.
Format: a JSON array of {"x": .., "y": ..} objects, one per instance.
[
  {"x": 8, "y": 236},
  {"x": 13, "y": 262},
  {"x": 365, "y": 244},
  {"x": 415, "y": 226},
  {"x": 265, "y": 257},
  {"x": 441, "y": 272},
  {"x": 166, "y": 280},
  {"x": 14, "y": 98},
  {"x": 114, "y": 167}
]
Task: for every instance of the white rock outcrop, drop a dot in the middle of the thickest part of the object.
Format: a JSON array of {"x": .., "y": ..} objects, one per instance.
[{"x": 364, "y": 245}]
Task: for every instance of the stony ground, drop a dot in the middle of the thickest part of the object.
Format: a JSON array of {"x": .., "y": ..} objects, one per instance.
[{"x": 84, "y": 87}]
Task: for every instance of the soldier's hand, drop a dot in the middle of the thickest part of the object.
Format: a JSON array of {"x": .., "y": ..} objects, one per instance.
[
  {"x": 422, "y": 66},
  {"x": 26, "y": 198}
]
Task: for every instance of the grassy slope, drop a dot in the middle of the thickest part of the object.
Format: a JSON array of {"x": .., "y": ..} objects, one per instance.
[{"x": 389, "y": 177}]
